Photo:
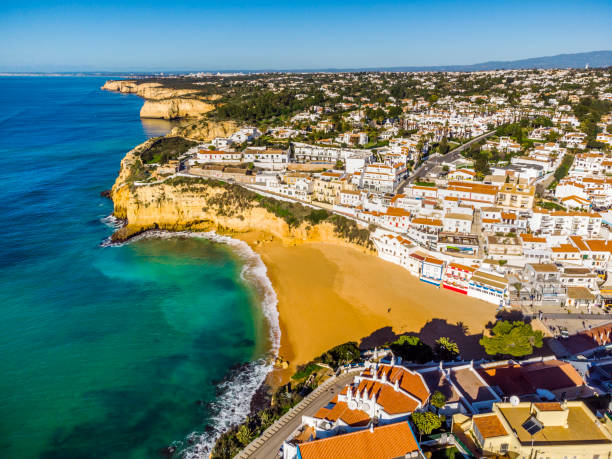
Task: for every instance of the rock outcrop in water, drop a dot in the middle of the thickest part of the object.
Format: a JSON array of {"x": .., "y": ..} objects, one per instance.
[{"x": 162, "y": 102}]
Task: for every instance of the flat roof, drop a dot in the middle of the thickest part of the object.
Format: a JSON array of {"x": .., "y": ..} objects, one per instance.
[
  {"x": 580, "y": 426},
  {"x": 544, "y": 267},
  {"x": 579, "y": 293}
]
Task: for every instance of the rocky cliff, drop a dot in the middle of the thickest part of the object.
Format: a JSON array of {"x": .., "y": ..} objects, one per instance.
[
  {"x": 146, "y": 90},
  {"x": 202, "y": 205},
  {"x": 175, "y": 108},
  {"x": 205, "y": 130},
  {"x": 162, "y": 102}
]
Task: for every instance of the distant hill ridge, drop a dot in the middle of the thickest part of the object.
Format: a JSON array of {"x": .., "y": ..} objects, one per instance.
[
  {"x": 577, "y": 60},
  {"x": 594, "y": 59}
]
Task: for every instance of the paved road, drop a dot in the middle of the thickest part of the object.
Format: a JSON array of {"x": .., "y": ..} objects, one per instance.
[
  {"x": 580, "y": 316},
  {"x": 452, "y": 155},
  {"x": 269, "y": 443}
]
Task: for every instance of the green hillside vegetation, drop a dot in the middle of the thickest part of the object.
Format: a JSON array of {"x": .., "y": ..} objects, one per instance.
[
  {"x": 235, "y": 199},
  {"x": 165, "y": 149}
]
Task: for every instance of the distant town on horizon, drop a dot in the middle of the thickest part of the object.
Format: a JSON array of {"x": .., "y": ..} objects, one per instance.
[
  {"x": 593, "y": 59},
  {"x": 293, "y": 229}
]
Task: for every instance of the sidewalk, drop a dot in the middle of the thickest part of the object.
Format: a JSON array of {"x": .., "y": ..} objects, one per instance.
[{"x": 269, "y": 443}]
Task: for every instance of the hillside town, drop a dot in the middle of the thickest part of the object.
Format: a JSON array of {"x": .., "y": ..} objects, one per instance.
[{"x": 495, "y": 185}]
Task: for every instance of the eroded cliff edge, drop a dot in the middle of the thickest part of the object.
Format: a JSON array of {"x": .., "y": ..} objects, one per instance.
[
  {"x": 162, "y": 102},
  {"x": 198, "y": 204}
]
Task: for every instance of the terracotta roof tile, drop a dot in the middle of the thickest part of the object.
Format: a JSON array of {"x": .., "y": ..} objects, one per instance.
[
  {"x": 385, "y": 442},
  {"x": 489, "y": 426}
]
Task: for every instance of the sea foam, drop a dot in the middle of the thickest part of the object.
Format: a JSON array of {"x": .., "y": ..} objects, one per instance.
[{"x": 233, "y": 404}]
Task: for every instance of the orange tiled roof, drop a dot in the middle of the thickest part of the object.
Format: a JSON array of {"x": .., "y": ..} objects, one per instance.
[
  {"x": 514, "y": 379},
  {"x": 397, "y": 212},
  {"x": 565, "y": 248},
  {"x": 549, "y": 406},
  {"x": 531, "y": 238},
  {"x": 340, "y": 410},
  {"x": 579, "y": 242},
  {"x": 385, "y": 442},
  {"x": 391, "y": 401},
  {"x": 599, "y": 245},
  {"x": 409, "y": 381},
  {"x": 433, "y": 261},
  {"x": 426, "y": 221},
  {"x": 462, "y": 267},
  {"x": 489, "y": 426}
]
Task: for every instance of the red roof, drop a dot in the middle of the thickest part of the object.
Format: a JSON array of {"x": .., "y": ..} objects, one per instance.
[
  {"x": 526, "y": 379},
  {"x": 385, "y": 442}
]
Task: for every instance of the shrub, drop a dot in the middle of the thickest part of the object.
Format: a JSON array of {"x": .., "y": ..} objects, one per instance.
[
  {"x": 164, "y": 149},
  {"x": 303, "y": 371},
  {"x": 411, "y": 348},
  {"x": 340, "y": 355}
]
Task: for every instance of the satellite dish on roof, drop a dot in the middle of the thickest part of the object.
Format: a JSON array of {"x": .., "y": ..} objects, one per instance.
[{"x": 514, "y": 400}]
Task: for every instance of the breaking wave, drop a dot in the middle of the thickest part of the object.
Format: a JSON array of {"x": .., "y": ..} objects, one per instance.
[{"x": 233, "y": 402}]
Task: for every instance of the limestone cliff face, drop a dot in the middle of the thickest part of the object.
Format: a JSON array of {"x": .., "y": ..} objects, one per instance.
[
  {"x": 161, "y": 102},
  {"x": 175, "y": 108},
  {"x": 205, "y": 130},
  {"x": 150, "y": 91},
  {"x": 196, "y": 206}
]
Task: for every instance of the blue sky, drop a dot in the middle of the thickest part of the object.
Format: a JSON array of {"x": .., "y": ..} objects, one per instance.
[{"x": 206, "y": 35}]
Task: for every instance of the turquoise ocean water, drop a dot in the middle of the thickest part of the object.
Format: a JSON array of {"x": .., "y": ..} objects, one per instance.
[{"x": 108, "y": 351}]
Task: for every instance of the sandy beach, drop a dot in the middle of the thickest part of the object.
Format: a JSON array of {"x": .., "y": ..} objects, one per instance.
[{"x": 329, "y": 294}]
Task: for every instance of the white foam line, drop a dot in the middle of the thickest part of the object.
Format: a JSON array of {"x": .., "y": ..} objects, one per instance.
[
  {"x": 233, "y": 405},
  {"x": 112, "y": 222}
]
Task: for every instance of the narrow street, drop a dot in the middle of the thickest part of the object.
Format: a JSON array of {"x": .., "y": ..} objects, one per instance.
[
  {"x": 267, "y": 446},
  {"x": 438, "y": 159}
]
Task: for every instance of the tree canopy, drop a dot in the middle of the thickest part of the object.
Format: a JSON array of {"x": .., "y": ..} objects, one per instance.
[
  {"x": 446, "y": 348},
  {"x": 516, "y": 339},
  {"x": 437, "y": 399},
  {"x": 426, "y": 422},
  {"x": 412, "y": 348},
  {"x": 340, "y": 355}
]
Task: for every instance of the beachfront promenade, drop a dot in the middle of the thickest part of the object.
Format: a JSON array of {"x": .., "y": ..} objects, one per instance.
[{"x": 269, "y": 443}]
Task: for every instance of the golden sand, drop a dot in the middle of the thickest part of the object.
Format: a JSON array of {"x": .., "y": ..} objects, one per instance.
[{"x": 329, "y": 294}]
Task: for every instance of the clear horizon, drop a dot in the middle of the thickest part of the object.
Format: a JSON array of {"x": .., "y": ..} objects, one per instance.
[
  {"x": 70, "y": 36},
  {"x": 94, "y": 72}
]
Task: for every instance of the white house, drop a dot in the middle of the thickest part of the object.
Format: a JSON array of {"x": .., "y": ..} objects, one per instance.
[
  {"x": 265, "y": 158},
  {"x": 457, "y": 223},
  {"x": 489, "y": 287},
  {"x": 216, "y": 156}
]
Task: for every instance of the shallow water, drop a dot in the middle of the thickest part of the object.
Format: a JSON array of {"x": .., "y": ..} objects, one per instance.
[{"x": 104, "y": 351}]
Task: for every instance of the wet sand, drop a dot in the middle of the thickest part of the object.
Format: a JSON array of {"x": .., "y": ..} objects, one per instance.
[{"x": 329, "y": 294}]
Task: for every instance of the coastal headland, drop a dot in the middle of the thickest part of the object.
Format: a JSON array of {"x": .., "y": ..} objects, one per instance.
[
  {"x": 330, "y": 284},
  {"x": 165, "y": 103}
]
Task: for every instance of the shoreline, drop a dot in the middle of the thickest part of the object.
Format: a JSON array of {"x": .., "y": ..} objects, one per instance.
[
  {"x": 329, "y": 294},
  {"x": 326, "y": 293},
  {"x": 236, "y": 393},
  {"x": 317, "y": 295}
]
